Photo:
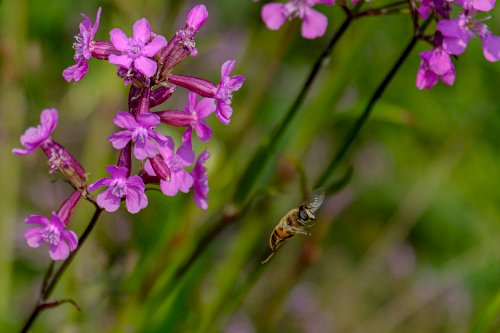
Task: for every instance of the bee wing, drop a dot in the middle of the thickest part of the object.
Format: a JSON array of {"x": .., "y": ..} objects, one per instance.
[{"x": 316, "y": 200}]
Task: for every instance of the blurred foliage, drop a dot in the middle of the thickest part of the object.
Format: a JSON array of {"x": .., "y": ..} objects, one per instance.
[{"x": 412, "y": 244}]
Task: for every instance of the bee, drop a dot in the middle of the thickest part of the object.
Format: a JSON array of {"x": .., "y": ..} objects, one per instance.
[{"x": 297, "y": 221}]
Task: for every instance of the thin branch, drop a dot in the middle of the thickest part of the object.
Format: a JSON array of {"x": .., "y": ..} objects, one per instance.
[
  {"x": 358, "y": 125},
  {"x": 47, "y": 287},
  {"x": 264, "y": 154}
]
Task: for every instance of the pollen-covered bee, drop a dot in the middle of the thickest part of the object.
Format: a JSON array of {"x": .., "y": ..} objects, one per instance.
[{"x": 297, "y": 221}]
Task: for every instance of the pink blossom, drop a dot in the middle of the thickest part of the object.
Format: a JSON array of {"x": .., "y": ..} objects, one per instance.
[
  {"x": 200, "y": 184},
  {"x": 35, "y": 137},
  {"x": 139, "y": 130},
  {"x": 193, "y": 115},
  {"x": 120, "y": 186},
  {"x": 314, "y": 23},
  {"x": 137, "y": 50},
  {"x": 458, "y": 31},
  {"x": 435, "y": 63},
  {"x": 61, "y": 242},
  {"x": 224, "y": 94},
  {"x": 84, "y": 43},
  {"x": 180, "y": 179}
]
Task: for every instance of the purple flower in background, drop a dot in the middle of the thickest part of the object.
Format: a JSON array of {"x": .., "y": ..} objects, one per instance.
[
  {"x": 141, "y": 131},
  {"x": 120, "y": 186},
  {"x": 61, "y": 242},
  {"x": 458, "y": 31},
  {"x": 313, "y": 22},
  {"x": 224, "y": 94},
  {"x": 435, "y": 63},
  {"x": 442, "y": 7},
  {"x": 137, "y": 50},
  {"x": 180, "y": 179},
  {"x": 479, "y": 5},
  {"x": 198, "y": 114},
  {"x": 84, "y": 43},
  {"x": 200, "y": 184},
  {"x": 35, "y": 137}
]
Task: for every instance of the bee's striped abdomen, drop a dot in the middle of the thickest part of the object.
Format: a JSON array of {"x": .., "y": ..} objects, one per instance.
[{"x": 277, "y": 238}]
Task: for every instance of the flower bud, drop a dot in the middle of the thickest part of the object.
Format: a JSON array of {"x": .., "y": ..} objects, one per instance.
[
  {"x": 61, "y": 159},
  {"x": 202, "y": 87}
]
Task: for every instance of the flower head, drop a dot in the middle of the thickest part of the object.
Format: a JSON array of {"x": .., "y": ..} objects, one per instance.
[
  {"x": 313, "y": 22},
  {"x": 224, "y": 94},
  {"x": 61, "y": 242},
  {"x": 120, "y": 186},
  {"x": 198, "y": 112},
  {"x": 196, "y": 18},
  {"x": 35, "y": 137},
  {"x": 200, "y": 184},
  {"x": 83, "y": 45},
  {"x": 435, "y": 63},
  {"x": 458, "y": 31},
  {"x": 180, "y": 179},
  {"x": 137, "y": 50},
  {"x": 140, "y": 130}
]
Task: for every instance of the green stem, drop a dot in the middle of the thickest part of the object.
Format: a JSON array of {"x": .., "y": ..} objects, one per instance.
[
  {"x": 48, "y": 287},
  {"x": 264, "y": 154},
  {"x": 358, "y": 125}
]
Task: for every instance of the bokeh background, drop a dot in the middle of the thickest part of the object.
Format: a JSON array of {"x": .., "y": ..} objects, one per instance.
[{"x": 411, "y": 244}]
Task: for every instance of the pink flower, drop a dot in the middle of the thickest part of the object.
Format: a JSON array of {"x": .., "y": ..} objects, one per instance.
[
  {"x": 84, "y": 43},
  {"x": 200, "y": 184},
  {"x": 120, "y": 186},
  {"x": 137, "y": 50},
  {"x": 313, "y": 22},
  {"x": 224, "y": 94},
  {"x": 180, "y": 179},
  {"x": 35, "y": 137},
  {"x": 435, "y": 63},
  {"x": 479, "y": 5},
  {"x": 140, "y": 130},
  {"x": 61, "y": 242},
  {"x": 193, "y": 115},
  {"x": 458, "y": 31}
]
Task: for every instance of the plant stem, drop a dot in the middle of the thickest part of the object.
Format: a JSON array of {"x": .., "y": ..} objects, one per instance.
[
  {"x": 264, "y": 154},
  {"x": 48, "y": 287},
  {"x": 358, "y": 125}
]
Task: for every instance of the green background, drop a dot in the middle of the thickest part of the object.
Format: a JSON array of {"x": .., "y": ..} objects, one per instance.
[{"x": 411, "y": 244}]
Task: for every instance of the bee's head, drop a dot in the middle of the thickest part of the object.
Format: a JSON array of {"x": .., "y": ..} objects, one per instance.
[{"x": 305, "y": 215}]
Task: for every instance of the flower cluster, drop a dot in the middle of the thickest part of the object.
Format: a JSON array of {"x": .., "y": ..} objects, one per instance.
[
  {"x": 314, "y": 23},
  {"x": 145, "y": 61},
  {"x": 452, "y": 37}
]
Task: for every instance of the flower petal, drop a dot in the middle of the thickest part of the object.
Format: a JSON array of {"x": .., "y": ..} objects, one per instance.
[
  {"x": 153, "y": 47},
  {"x": 142, "y": 30},
  {"x": 120, "y": 60},
  {"x": 120, "y": 139},
  {"x": 314, "y": 24},
  {"x": 273, "y": 15},
  {"x": 76, "y": 72},
  {"x": 34, "y": 237},
  {"x": 146, "y": 66},
  {"x": 108, "y": 201},
  {"x": 70, "y": 237},
  {"x": 119, "y": 39},
  {"x": 491, "y": 47},
  {"x": 59, "y": 251},
  {"x": 37, "y": 219}
]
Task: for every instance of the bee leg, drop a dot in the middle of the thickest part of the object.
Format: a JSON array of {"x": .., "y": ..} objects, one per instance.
[
  {"x": 268, "y": 258},
  {"x": 301, "y": 231}
]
